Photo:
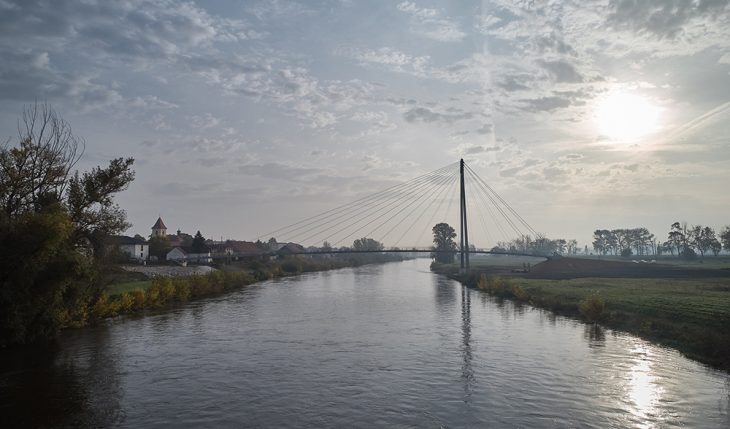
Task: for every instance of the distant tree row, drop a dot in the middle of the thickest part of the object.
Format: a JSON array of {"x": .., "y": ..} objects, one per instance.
[
  {"x": 540, "y": 245},
  {"x": 687, "y": 241},
  {"x": 624, "y": 241},
  {"x": 682, "y": 240}
]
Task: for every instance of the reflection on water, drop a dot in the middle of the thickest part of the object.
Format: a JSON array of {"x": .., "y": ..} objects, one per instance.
[
  {"x": 377, "y": 346},
  {"x": 643, "y": 388},
  {"x": 47, "y": 387},
  {"x": 466, "y": 369},
  {"x": 595, "y": 335}
]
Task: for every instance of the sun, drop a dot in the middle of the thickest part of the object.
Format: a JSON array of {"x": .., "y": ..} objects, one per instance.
[{"x": 626, "y": 117}]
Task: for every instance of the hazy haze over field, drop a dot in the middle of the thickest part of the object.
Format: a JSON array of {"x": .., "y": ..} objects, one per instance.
[{"x": 245, "y": 116}]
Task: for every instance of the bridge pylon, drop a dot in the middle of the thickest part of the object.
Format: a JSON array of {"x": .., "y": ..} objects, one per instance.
[{"x": 464, "y": 238}]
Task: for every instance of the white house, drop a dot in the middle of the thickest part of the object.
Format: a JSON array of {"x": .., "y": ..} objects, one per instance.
[
  {"x": 179, "y": 254},
  {"x": 135, "y": 248}
]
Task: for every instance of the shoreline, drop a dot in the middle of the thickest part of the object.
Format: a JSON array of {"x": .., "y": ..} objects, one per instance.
[
  {"x": 688, "y": 315},
  {"x": 166, "y": 292}
]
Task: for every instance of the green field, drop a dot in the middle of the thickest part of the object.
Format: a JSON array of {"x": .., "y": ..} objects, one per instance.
[
  {"x": 692, "y": 316},
  {"x": 120, "y": 288}
]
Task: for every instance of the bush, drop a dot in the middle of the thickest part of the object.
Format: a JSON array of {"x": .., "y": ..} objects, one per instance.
[
  {"x": 152, "y": 296},
  {"x": 592, "y": 307},
  {"x": 519, "y": 293},
  {"x": 138, "y": 298},
  {"x": 292, "y": 265},
  {"x": 104, "y": 307},
  {"x": 125, "y": 303},
  {"x": 182, "y": 290}
]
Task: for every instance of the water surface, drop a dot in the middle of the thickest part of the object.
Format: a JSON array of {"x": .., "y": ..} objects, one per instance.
[{"x": 383, "y": 345}]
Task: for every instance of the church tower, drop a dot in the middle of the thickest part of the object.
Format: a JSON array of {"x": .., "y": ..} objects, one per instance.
[{"x": 159, "y": 229}]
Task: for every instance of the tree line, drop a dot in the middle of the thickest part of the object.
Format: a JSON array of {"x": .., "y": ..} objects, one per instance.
[
  {"x": 539, "y": 245},
  {"x": 682, "y": 240}
]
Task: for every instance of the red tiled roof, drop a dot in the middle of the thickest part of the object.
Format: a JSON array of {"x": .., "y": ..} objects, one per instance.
[{"x": 243, "y": 246}]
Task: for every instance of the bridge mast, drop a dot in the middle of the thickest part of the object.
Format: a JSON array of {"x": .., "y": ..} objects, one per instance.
[{"x": 464, "y": 228}]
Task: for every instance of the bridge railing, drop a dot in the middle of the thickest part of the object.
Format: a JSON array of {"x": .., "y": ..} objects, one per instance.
[{"x": 362, "y": 251}]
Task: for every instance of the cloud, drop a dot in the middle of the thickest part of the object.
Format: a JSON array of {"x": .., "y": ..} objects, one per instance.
[
  {"x": 562, "y": 71},
  {"x": 484, "y": 129},
  {"x": 389, "y": 58},
  {"x": 204, "y": 121},
  {"x": 665, "y": 18},
  {"x": 473, "y": 149},
  {"x": 426, "y": 115},
  {"x": 546, "y": 104},
  {"x": 279, "y": 171},
  {"x": 430, "y": 24}
]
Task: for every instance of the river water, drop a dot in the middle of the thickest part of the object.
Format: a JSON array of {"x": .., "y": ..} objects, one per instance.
[{"x": 388, "y": 345}]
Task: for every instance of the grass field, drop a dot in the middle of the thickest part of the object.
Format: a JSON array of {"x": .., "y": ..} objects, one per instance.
[
  {"x": 692, "y": 316},
  {"x": 120, "y": 288}
]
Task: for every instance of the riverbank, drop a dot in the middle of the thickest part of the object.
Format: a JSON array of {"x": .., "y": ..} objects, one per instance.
[
  {"x": 165, "y": 291},
  {"x": 690, "y": 314}
]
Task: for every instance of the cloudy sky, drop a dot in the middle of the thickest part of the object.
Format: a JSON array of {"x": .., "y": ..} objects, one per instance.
[{"x": 244, "y": 116}]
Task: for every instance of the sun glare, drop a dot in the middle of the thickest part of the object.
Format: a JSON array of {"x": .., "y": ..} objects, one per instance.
[{"x": 626, "y": 117}]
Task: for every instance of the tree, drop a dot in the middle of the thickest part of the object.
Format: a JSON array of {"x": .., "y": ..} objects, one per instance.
[
  {"x": 601, "y": 241},
  {"x": 91, "y": 205},
  {"x": 159, "y": 246},
  {"x": 53, "y": 227},
  {"x": 198, "y": 245},
  {"x": 701, "y": 239},
  {"x": 367, "y": 244},
  {"x": 676, "y": 238},
  {"x": 444, "y": 244},
  {"x": 36, "y": 172},
  {"x": 725, "y": 237},
  {"x": 716, "y": 247},
  {"x": 572, "y": 247},
  {"x": 272, "y": 245}
]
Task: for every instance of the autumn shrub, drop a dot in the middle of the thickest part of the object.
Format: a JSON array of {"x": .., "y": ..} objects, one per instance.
[
  {"x": 199, "y": 286},
  {"x": 520, "y": 293},
  {"x": 138, "y": 298},
  {"x": 105, "y": 307},
  {"x": 592, "y": 307},
  {"x": 182, "y": 290},
  {"x": 125, "y": 303},
  {"x": 152, "y": 295}
]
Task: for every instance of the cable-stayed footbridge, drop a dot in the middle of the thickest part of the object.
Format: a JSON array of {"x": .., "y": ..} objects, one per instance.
[{"x": 404, "y": 215}]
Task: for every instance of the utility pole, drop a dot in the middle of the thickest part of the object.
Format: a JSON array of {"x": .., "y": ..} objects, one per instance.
[{"x": 464, "y": 228}]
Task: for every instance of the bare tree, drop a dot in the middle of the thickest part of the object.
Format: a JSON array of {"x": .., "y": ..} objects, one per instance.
[{"x": 37, "y": 171}]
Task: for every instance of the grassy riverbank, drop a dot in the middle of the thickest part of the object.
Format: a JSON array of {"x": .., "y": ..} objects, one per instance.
[
  {"x": 690, "y": 315},
  {"x": 131, "y": 295}
]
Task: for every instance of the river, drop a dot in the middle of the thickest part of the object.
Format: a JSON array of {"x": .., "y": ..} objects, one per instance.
[{"x": 389, "y": 345}]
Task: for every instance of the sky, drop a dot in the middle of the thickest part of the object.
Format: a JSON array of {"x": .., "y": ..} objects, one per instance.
[{"x": 244, "y": 116}]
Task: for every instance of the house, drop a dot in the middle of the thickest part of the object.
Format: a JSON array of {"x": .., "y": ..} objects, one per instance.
[
  {"x": 243, "y": 247},
  {"x": 235, "y": 249},
  {"x": 134, "y": 247},
  {"x": 290, "y": 248},
  {"x": 186, "y": 254}
]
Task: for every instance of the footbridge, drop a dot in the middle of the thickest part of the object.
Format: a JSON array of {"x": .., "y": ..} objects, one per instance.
[{"x": 401, "y": 218}]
